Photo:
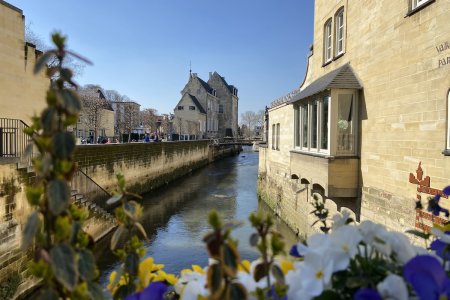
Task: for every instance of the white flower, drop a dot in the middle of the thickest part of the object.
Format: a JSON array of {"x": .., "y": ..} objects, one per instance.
[
  {"x": 401, "y": 247},
  {"x": 249, "y": 282},
  {"x": 344, "y": 246},
  {"x": 191, "y": 285},
  {"x": 442, "y": 236},
  {"x": 316, "y": 273},
  {"x": 375, "y": 235},
  {"x": 393, "y": 287},
  {"x": 340, "y": 219},
  {"x": 316, "y": 243}
]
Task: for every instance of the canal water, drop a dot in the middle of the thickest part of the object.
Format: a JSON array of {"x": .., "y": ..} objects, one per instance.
[{"x": 175, "y": 217}]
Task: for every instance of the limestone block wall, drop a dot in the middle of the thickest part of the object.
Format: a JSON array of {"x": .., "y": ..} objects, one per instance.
[
  {"x": 145, "y": 165},
  {"x": 14, "y": 210},
  {"x": 19, "y": 87}
]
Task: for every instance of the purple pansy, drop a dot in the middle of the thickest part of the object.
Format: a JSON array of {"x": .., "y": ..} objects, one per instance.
[
  {"x": 435, "y": 208},
  {"x": 441, "y": 248},
  {"x": 446, "y": 190},
  {"x": 154, "y": 291},
  {"x": 294, "y": 251},
  {"x": 427, "y": 276},
  {"x": 367, "y": 294}
]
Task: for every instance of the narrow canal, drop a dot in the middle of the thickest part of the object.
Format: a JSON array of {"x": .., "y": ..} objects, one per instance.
[{"x": 175, "y": 217}]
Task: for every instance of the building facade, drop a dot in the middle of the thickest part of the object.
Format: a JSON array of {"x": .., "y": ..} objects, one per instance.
[
  {"x": 22, "y": 94},
  {"x": 214, "y": 106},
  {"x": 368, "y": 129}
]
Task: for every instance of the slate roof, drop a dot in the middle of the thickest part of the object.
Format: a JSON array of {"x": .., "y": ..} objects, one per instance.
[
  {"x": 340, "y": 78},
  {"x": 197, "y": 103},
  {"x": 207, "y": 87}
]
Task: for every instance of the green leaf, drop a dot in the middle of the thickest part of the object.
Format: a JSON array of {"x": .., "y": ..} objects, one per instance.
[
  {"x": 58, "y": 194},
  {"x": 42, "y": 61},
  {"x": 116, "y": 236},
  {"x": 49, "y": 120},
  {"x": 63, "y": 145},
  {"x": 33, "y": 195},
  {"x": 48, "y": 294},
  {"x": 237, "y": 291},
  {"x": 260, "y": 272},
  {"x": 86, "y": 265},
  {"x": 419, "y": 233},
  {"x": 121, "y": 182},
  {"x": 30, "y": 230},
  {"x": 278, "y": 274},
  {"x": 215, "y": 279},
  {"x": 230, "y": 257},
  {"x": 95, "y": 291},
  {"x": 71, "y": 102},
  {"x": 254, "y": 238},
  {"x": 130, "y": 208},
  {"x": 114, "y": 199},
  {"x": 132, "y": 263},
  {"x": 141, "y": 229},
  {"x": 62, "y": 259}
]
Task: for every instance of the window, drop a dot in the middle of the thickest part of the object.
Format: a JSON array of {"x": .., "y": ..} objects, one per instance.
[
  {"x": 314, "y": 135},
  {"x": 417, "y": 3},
  {"x": 324, "y": 123},
  {"x": 345, "y": 124},
  {"x": 220, "y": 109},
  {"x": 278, "y": 137},
  {"x": 180, "y": 107},
  {"x": 191, "y": 107},
  {"x": 313, "y": 132},
  {"x": 327, "y": 42},
  {"x": 339, "y": 32},
  {"x": 273, "y": 136}
]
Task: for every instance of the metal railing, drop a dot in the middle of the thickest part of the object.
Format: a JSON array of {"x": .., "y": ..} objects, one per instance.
[
  {"x": 13, "y": 141},
  {"x": 84, "y": 185}
]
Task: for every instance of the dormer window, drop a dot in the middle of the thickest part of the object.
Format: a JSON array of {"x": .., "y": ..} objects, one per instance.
[
  {"x": 327, "y": 42},
  {"x": 339, "y": 32}
]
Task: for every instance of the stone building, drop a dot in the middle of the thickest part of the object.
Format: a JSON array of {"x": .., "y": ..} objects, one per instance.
[
  {"x": 96, "y": 121},
  {"x": 228, "y": 105},
  {"x": 126, "y": 119},
  {"x": 22, "y": 94},
  {"x": 369, "y": 127},
  {"x": 211, "y": 105}
]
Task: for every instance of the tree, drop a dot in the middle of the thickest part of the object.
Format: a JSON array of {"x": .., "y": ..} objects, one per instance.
[
  {"x": 249, "y": 119},
  {"x": 128, "y": 117},
  {"x": 149, "y": 118},
  {"x": 77, "y": 66},
  {"x": 91, "y": 117}
]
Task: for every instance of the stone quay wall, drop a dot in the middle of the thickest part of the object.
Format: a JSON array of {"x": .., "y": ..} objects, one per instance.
[{"x": 145, "y": 165}]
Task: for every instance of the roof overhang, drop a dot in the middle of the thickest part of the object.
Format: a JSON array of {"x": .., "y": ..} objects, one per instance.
[{"x": 340, "y": 78}]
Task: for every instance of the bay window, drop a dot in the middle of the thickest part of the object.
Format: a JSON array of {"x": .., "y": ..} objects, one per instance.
[{"x": 313, "y": 131}]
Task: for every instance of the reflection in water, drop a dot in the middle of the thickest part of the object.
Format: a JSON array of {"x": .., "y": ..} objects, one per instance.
[{"x": 175, "y": 217}]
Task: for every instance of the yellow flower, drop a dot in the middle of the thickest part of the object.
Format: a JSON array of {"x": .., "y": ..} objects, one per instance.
[
  {"x": 112, "y": 278},
  {"x": 198, "y": 269},
  {"x": 244, "y": 266},
  {"x": 286, "y": 266}
]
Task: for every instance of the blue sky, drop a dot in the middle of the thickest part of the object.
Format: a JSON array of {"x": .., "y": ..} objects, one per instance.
[{"x": 142, "y": 48}]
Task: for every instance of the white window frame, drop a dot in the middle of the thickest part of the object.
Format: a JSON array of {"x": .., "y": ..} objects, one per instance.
[
  {"x": 417, "y": 3},
  {"x": 310, "y": 125},
  {"x": 328, "y": 41},
  {"x": 273, "y": 136},
  {"x": 339, "y": 34},
  {"x": 332, "y": 119}
]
